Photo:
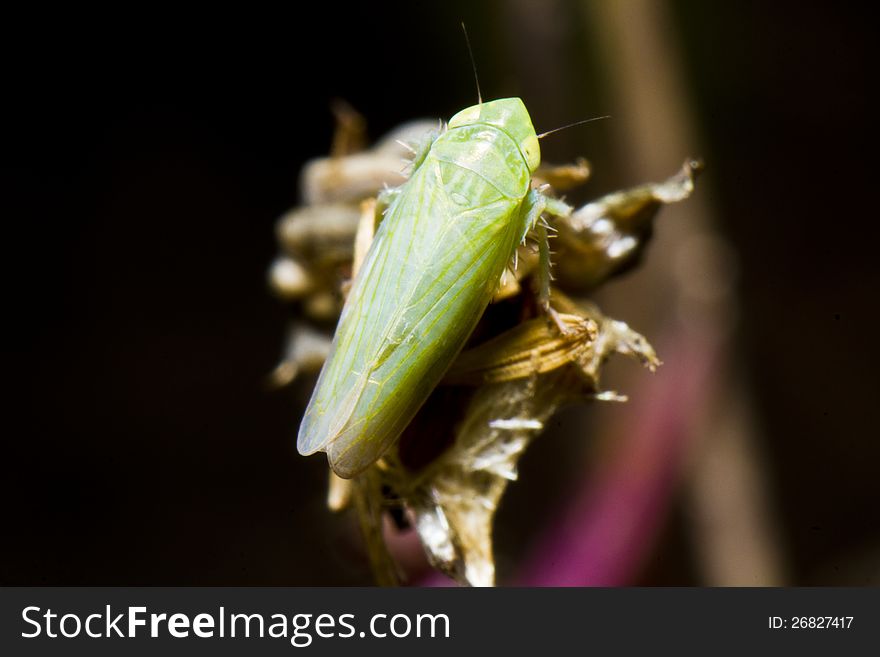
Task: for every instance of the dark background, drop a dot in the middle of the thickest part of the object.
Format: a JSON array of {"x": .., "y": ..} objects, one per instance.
[{"x": 146, "y": 155}]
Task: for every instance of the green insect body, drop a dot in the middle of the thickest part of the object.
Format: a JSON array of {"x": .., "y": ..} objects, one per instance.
[{"x": 431, "y": 270}]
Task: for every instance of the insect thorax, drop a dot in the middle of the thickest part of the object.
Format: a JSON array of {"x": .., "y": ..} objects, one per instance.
[{"x": 482, "y": 160}]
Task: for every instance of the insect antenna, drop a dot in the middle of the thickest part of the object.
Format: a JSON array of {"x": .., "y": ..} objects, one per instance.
[
  {"x": 473, "y": 63},
  {"x": 571, "y": 125}
]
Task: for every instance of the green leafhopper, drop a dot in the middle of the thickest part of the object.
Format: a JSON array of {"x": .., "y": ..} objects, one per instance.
[{"x": 434, "y": 264}]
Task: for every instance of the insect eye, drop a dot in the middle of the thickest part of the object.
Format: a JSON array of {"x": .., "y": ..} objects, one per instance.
[{"x": 531, "y": 151}]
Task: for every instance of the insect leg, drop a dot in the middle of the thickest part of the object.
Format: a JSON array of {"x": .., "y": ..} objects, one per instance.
[
  {"x": 551, "y": 206},
  {"x": 556, "y": 208},
  {"x": 545, "y": 276},
  {"x": 384, "y": 198}
]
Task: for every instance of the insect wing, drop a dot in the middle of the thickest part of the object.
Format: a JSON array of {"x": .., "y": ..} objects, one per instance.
[{"x": 431, "y": 270}]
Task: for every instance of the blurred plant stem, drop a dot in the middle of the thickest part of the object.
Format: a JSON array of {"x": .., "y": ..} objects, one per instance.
[
  {"x": 693, "y": 273},
  {"x": 703, "y": 434}
]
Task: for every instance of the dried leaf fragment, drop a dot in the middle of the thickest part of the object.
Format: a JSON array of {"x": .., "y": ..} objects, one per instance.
[
  {"x": 562, "y": 177},
  {"x": 454, "y": 499},
  {"x": 607, "y": 236},
  {"x": 531, "y": 348}
]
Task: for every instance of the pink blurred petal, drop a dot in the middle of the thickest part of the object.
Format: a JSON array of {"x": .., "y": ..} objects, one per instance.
[{"x": 604, "y": 536}]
